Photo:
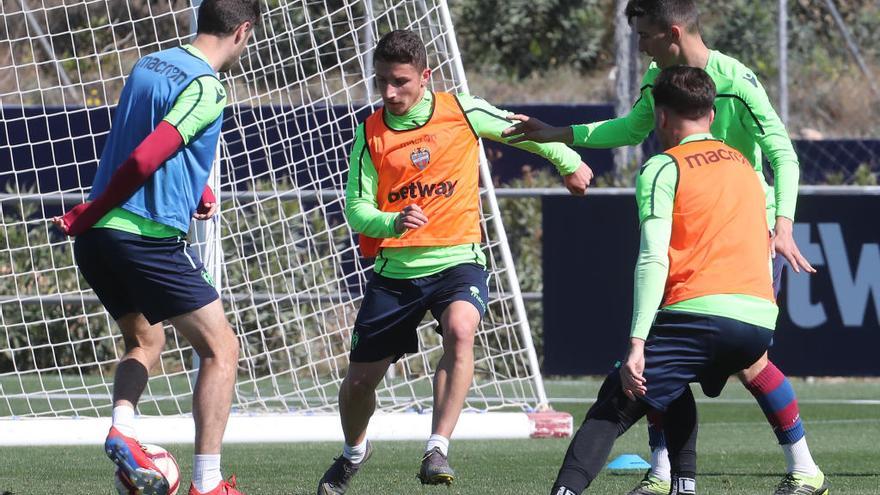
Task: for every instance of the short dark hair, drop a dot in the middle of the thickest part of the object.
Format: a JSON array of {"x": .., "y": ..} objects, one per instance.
[
  {"x": 665, "y": 13},
  {"x": 403, "y": 47},
  {"x": 222, "y": 17},
  {"x": 687, "y": 91}
]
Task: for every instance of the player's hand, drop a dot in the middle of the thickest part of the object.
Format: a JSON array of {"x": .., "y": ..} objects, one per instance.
[
  {"x": 410, "y": 218},
  {"x": 207, "y": 205},
  {"x": 631, "y": 379},
  {"x": 578, "y": 181},
  {"x": 65, "y": 222},
  {"x": 528, "y": 128},
  {"x": 783, "y": 243},
  {"x": 206, "y": 210}
]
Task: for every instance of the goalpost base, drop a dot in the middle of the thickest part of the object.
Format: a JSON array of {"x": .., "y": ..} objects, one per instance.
[{"x": 286, "y": 428}]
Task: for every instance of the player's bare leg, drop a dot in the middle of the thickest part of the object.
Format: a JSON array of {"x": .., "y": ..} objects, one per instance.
[
  {"x": 453, "y": 377},
  {"x": 357, "y": 398},
  {"x": 357, "y": 402},
  {"x": 143, "y": 346},
  {"x": 455, "y": 371},
  {"x": 214, "y": 341}
]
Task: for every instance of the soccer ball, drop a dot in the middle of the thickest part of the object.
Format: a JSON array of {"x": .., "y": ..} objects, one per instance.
[{"x": 167, "y": 466}]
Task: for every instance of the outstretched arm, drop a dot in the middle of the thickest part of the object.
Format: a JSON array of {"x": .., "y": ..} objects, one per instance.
[
  {"x": 490, "y": 122},
  {"x": 629, "y": 129}
]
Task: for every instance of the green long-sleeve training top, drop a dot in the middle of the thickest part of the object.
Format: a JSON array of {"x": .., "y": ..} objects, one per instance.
[
  {"x": 362, "y": 210},
  {"x": 744, "y": 119}
]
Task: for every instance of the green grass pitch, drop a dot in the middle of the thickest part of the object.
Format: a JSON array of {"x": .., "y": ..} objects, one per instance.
[{"x": 738, "y": 453}]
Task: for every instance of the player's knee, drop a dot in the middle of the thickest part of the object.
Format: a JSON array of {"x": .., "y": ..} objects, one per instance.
[
  {"x": 459, "y": 336},
  {"x": 137, "y": 333},
  {"x": 222, "y": 347},
  {"x": 234, "y": 346},
  {"x": 460, "y": 326},
  {"x": 231, "y": 346},
  {"x": 359, "y": 386}
]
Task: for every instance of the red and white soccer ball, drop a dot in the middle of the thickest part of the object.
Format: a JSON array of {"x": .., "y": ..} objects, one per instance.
[{"x": 163, "y": 460}]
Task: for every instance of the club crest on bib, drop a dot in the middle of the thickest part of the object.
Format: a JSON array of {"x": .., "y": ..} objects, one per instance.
[{"x": 420, "y": 157}]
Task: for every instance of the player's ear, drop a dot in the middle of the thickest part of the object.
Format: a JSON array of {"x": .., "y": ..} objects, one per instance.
[
  {"x": 660, "y": 117},
  {"x": 676, "y": 32},
  {"x": 242, "y": 32},
  {"x": 426, "y": 74}
]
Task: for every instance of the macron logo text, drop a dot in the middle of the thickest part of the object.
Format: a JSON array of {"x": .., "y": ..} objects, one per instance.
[{"x": 700, "y": 159}]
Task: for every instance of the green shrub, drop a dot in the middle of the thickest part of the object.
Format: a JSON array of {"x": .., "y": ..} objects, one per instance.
[{"x": 522, "y": 37}]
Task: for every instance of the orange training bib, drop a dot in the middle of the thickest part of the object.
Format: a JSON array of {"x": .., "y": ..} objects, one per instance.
[
  {"x": 434, "y": 166},
  {"x": 720, "y": 241}
]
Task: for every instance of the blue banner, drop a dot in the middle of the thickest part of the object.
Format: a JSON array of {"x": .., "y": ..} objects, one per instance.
[
  {"x": 57, "y": 148},
  {"x": 828, "y": 322}
]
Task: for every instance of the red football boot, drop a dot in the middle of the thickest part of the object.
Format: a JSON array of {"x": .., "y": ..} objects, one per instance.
[
  {"x": 224, "y": 488},
  {"x": 135, "y": 467}
]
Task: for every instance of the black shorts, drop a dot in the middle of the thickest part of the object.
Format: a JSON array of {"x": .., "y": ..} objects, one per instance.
[
  {"x": 684, "y": 347},
  {"x": 158, "y": 277},
  {"x": 393, "y": 308}
]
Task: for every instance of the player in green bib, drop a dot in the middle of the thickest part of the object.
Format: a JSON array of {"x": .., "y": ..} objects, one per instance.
[{"x": 744, "y": 119}]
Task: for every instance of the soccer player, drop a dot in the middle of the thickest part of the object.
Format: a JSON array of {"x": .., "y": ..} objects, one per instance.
[
  {"x": 131, "y": 237},
  {"x": 669, "y": 32},
  {"x": 412, "y": 193},
  {"x": 703, "y": 297}
]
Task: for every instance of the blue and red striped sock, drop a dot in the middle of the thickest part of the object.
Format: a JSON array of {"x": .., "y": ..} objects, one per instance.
[
  {"x": 655, "y": 429},
  {"x": 776, "y": 396}
]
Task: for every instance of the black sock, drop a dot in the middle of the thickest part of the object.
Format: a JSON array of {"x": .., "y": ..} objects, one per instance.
[{"x": 681, "y": 435}]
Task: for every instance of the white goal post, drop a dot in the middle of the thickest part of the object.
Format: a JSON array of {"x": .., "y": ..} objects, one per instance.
[{"x": 283, "y": 257}]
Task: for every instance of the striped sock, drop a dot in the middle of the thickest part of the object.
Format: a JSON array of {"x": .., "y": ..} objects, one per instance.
[
  {"x": 776, "y": 396},
  {"x": 655, "y": 429}
]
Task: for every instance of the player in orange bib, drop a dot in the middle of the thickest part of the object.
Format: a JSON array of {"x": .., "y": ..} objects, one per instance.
[
  {"x": 413, "y": 195},
  {"x": 703, "y": 301}
]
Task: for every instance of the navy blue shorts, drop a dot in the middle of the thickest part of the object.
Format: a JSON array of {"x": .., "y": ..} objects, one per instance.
[
  {"x": 158, "y": 277},
  {"x": 393, "y": 308},
  {"x": 683, "y": 348}
]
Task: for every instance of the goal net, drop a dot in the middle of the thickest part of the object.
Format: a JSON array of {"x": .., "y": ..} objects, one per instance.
[{"x": 283, "y": 257}]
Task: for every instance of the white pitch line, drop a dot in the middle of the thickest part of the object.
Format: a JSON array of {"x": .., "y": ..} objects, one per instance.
[
  {"x": 552, "y": 400},
  {"x": 855, "y": 402},
  {"x": 808, "y": 423}
]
